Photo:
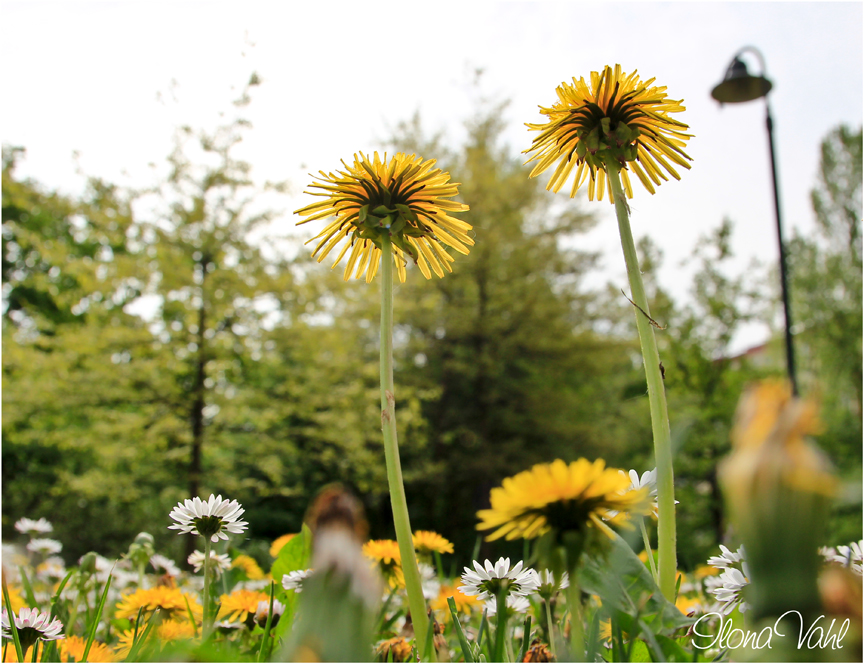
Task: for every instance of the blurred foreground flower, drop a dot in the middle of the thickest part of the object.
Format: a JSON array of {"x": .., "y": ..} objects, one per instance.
[
  {"x": 616, "y": 114},
  {"x": 848, "y": 556},
  {"x": 401, "y": 197},
  {"x": 778, "y": 487}
]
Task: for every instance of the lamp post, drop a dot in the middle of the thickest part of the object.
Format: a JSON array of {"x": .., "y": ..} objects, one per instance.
[{"x": 739, "y": 86}]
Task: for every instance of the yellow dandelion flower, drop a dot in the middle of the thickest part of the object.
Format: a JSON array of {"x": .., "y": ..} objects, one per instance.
[
  {"x": 686, "y": 605},
  {"x": 249, "y": 566},
  {"x": 615, "y": 114},
  {"x": 386, "y": 554},
  {"x": 237, "y": 606},
  {"x": 169, "y": 600},
  {"x": 279, "y": 542},
  {"x": 703, "y": 571},
  {"x": 464, "y": 603},
  {"x": 427, "y": 541},
  {"x": 402, "y": 197},
  {"x": 72, "y": 650},
  {"x": 394, "y": 650},
  {"x": 561, "y": 497},
  {"x": 175, "y": 630}
]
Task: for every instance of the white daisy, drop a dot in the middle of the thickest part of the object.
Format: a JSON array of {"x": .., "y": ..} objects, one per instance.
[
  {"x": 486, "y": 582},
  {"x": 45, "y": 546},
  {"x": 727, "y": 557},
  {"x": 218, "y": 562},
  {"x": 264, "y": 609},
  {"x": 32, "y": 625},
  {"x": 208, "y": 519},
  {"x": 548, "y": 585},
  {"x": 516, "y": 604},
  {"x": 54, "y": 567},
  {"x": 729, "y": 593},
  {"x": 31, "y": 527},
  {"x": 294, "y": 580},
  {"x": 164, "y": 564},
  {"x": 429, "y": 581}
]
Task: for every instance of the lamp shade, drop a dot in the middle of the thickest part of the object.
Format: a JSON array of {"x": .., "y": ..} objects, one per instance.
[{"x": 739, "y": 86}]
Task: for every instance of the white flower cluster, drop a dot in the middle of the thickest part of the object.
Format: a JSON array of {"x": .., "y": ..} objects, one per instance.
[
  {"x": 728, "y": 586},
  {"x": 849, "y": 556}
]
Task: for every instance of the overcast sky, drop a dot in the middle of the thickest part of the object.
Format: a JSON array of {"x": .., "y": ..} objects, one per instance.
[{"x": 84, "y": 76}]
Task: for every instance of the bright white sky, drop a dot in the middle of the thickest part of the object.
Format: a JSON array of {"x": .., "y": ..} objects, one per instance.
[{"x": 84, "y": 76}]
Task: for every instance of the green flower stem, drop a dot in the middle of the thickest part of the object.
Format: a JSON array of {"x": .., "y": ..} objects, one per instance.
[
  {"x": 656, "y": 393},
  {"x": 577, "y": 636},
  {"x": 416, "y": 602},
  {"x": 205, "y": 622},
  {"x": 500, "y": 625},
  {"x": 647, "y": 542},
  {"x": 550, "y": 633}
]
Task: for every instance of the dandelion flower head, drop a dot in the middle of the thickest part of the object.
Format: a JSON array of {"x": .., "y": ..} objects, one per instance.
[
  {"x": 169, "y": 600},
  {"x": 401, "y": 197},
  {"x": 238, "y": 606},
  {"x": 563, "y": 497},
  {"x": 615, "y": 115},
  {"x": 427, "y": 542}
]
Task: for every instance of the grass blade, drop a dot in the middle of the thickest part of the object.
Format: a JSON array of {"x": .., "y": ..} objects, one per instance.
[
  {"x": 28, "y": 589},
  {"x": 266, "y": 637},
  {"x": 98, "y": 615},
  {"x": 13, "y": 627},
  {"x": 463, "y": 641},
  {"x": 526, "y": 638}
]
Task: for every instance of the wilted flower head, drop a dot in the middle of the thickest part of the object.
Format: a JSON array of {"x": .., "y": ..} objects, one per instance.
[
  {"x": 562, "y": 497},
  {"x": 31, "y": 527},
  {"x": 208, "y": 519},
  {"x": 401, "y": 197},
  {"x": 615, "y": 115}
]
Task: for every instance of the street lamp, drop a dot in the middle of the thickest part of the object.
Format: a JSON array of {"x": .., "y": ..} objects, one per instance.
[{"x": 738, "y": 86}]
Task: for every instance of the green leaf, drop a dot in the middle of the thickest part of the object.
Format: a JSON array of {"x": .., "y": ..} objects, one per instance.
[
  {"x": 457, "y": 626},
  {"x": 293, "y": 556},
  {"x": 624, "y": 584}
]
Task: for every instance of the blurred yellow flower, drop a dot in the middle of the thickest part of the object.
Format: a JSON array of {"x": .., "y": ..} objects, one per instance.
[
  {"x": 402, "y": 197},
  {"x": 615, "y": 114},
  {"x": 72, "y": 650},
  {"x": 561, "y": 497},
  {"x": 249, "y": 566},
  {"x": 427, "y": 541},
  {"x": 237, "y": 606},
  {"x": 170, "y": 600},
  {"x": 464, "y": 603},
  {"x": 279, "y": 542}
]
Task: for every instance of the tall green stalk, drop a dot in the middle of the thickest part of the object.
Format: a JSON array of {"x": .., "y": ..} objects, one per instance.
[
  {"x": 205, "y": 619},
  {"x": 416, "y": 602},
  {"x": 656, "y": 392}
]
